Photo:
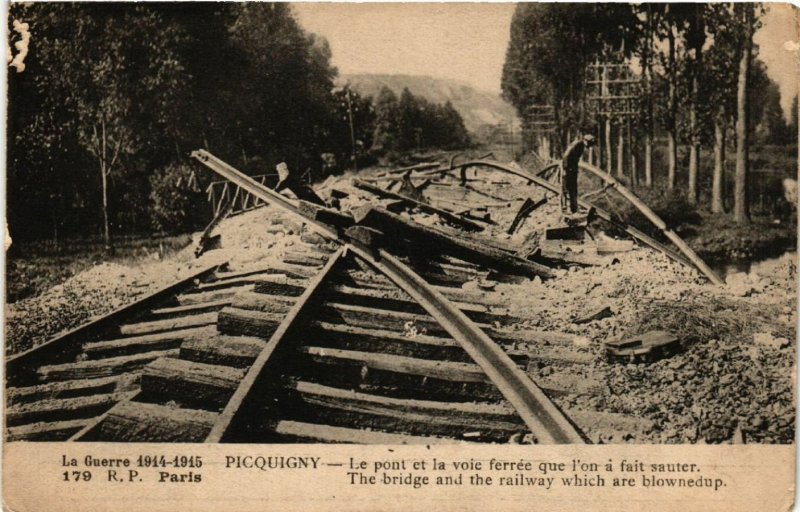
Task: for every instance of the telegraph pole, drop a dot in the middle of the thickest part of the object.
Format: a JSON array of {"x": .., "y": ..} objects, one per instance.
[{"x": 352, "y": 129}]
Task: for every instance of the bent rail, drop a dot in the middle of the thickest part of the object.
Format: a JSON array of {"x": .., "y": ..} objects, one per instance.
[
  {"x": 258, "y": 190},
  {"x": 256, "y": 373},
  {"x": 540, "y": 414},
  {"x": 688, "y": 255},
  {"x": 655, "y": 219}
]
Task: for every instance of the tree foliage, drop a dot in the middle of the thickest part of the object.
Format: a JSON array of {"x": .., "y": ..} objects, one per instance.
[
  {"x": 550, "y": 48},
  {"x": 113, "y": 97},
  {"x": 412, "y": 122},
  {"x": 688, "y": 57},
  {"x": 176, "y": 199}
]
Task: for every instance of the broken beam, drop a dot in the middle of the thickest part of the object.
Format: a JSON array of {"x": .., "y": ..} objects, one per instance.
[
  {"x": 524, "y": 211},
  {"x": 482, "y": 254},
  {"x": 444, "y": 214}
]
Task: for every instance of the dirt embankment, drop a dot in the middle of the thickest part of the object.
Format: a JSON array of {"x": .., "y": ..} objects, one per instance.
[{"x": 248, "y": 239}]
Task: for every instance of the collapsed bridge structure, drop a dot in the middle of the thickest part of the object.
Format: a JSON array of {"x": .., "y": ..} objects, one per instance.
[{"x": 364, "y": 333}]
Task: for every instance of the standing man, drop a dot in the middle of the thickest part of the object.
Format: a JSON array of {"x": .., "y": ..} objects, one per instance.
[{"x": 569, "y": 172}]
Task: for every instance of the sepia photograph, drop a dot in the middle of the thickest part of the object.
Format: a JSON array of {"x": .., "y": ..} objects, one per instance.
[{"x": 401, "y": 224}]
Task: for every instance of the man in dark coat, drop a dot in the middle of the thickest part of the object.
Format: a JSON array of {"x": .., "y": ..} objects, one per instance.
[{"x": 569, "y": 172}]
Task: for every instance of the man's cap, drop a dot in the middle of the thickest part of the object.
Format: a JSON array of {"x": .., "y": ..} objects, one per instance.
[{"x": 589, "y": 138}]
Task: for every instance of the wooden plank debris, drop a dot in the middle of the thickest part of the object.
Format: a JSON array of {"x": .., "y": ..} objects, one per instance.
[
  {"x": 45, "y": 430},
  {"x": 207, "y": 386},
  {"x": 598, "y": 314},
  {"x": 236, "y": 351},
  {"x": 452, "y": 418},
  {"x": 425, "y": 207},
  {"x": 62, "y": 408},
  {"x": 100, "y": 367},
  {"x": 442, "y": 370},
  {"x": 245, "y": 322},
  {"x": 71, "y": 389},
  {"x": 144, "y": 343},
  {"x": 169, "y": 324},
  {"x": 387, "y": 222},
  {"x": 644, "y": 347}
]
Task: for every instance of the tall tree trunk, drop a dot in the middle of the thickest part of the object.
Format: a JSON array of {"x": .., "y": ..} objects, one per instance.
[
  {"x": 648, "y": 133},
  {"x": 648, "y": 159},
  {"x": 672, "y": 159},
  {"x": 694, "y": 157},
  {"x": 631, "y": 154},
  {"x": 717, "y": 205},
  {"x": 604, "y": 91},
  {"x": 608, "y": 145},
  {"x": 672, "y": 148},
  {"x": 598, "y": 145},
  {"x": 104, "y": 178},
  {"x": 698, "y": 38},
  {"x": 741, "y": 206},
  {"x": 620, "y": 151},
  {"x": 106, "y": 233},
  {"x": 694, "y": 148}
]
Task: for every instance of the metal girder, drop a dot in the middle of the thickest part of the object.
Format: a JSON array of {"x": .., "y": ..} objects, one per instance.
[
  {"x": 257, "y": 189},
  {"x": 687, "y": 251},
  {"x": 689, "y": 257}
]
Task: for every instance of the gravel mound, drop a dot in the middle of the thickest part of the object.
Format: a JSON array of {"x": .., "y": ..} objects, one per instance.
[{"x": 248, "y": 240}]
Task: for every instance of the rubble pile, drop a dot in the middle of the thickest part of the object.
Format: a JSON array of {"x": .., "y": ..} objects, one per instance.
[
  {"x": 730, "y": 381},
  {"x": 732, "y": 378}
]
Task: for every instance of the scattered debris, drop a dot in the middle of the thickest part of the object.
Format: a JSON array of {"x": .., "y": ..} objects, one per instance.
[
  {"x": 581, "y": 341},
  {"x": 599, "y": 314},
  {"x": 645, "y": 347},
  {"x": 301, "y": 190},
  {"x": 607, "y": 245},
  {"x": 525, "y": 210},
  {"x": 730, "y": 379},
  {"x": 565, "y": 233}
]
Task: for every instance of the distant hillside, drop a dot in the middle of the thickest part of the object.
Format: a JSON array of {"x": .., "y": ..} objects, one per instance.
[{"x": 476, "y": 107}]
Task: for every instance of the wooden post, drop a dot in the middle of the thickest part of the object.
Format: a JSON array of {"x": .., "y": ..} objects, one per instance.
[
  {"x": 620, "y": 150},
  {"x": 605, "y": 92},
  {"x": 631, "y": 154},
  {"x": 608, "y": 161}
]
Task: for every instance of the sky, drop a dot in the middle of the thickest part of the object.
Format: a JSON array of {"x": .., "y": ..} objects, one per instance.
[{"x": 467, "y": 42}]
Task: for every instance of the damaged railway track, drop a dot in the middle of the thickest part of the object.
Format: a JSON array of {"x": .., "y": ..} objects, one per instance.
[{"x": 357, "y": 337}]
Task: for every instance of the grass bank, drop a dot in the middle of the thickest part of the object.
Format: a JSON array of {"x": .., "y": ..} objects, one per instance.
[{"x": 33, "y": 267}]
